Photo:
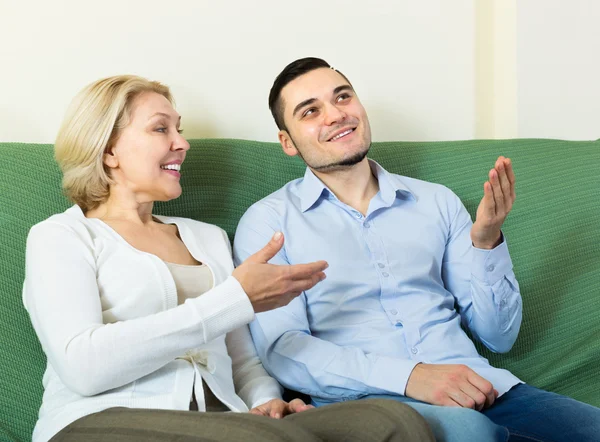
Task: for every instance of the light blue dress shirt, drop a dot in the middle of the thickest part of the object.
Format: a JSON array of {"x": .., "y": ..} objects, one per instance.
[{"x": 400, "y": 282}]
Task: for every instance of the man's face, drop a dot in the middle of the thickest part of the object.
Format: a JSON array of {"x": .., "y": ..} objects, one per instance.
[{"x": 327, "y": 126}]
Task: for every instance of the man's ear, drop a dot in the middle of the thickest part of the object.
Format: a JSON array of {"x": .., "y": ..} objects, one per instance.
[
  {"x": 286, "y": 143},
  {"x": 110, "y": 159}
]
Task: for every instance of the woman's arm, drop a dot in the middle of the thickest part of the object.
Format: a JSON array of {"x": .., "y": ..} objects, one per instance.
[{"x": 61, "y": 295}]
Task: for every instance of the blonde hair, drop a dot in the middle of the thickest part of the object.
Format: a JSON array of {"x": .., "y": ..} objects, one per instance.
[{"x": 91, "y": 126}]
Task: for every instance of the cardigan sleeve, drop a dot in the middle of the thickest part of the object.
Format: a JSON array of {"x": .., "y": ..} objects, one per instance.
[
  {"x": 62, "y": 297},
  {"x": 252, "y": 382}
]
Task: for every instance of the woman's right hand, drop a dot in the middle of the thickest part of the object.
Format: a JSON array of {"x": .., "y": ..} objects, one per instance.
[{"x": 270, "y": 286}]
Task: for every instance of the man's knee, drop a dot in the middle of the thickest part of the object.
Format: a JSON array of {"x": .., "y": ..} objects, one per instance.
[{"x": 457, "y": 423}]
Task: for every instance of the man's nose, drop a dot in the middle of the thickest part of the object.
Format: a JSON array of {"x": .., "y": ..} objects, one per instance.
[{"x": 333, "y": 114}]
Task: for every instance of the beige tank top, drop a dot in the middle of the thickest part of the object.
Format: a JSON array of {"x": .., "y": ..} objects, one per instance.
[{"x": 191, "y": 282}]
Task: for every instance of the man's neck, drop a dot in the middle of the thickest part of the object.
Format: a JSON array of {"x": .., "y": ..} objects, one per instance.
[{"x": 354, "y": 186}]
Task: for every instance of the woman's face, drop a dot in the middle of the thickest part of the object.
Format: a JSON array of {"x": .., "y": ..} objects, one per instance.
[{"x": 146, "y": 158}]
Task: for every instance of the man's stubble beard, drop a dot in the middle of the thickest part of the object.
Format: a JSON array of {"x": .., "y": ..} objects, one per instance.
[{"x": 345, "y": 163}]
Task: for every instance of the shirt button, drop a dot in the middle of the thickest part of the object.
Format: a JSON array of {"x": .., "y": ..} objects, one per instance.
[
  {"x": 398, "y": 322},
  {"x": 414, "y": 350},
  {"x": 385, "y": 274},
  {"x": 394, "y": 311},
  {"x": 503, "y": 303},
  {"x": 357, "y": 214},
  {"x": 490, "y": 268},
  {"x": 366, "y": 225},
  {"x": 380, "y": 265}
]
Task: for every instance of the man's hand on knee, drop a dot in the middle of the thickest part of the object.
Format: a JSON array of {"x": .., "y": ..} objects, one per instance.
[{"x": 450, "y": 385}]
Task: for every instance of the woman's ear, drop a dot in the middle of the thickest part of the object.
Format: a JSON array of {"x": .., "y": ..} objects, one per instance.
[{"x": 109, "y": 158}]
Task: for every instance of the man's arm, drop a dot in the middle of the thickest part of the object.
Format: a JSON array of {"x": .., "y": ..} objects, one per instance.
[
  {"x": 299, "y": 360},
  {"x": 477, "y": 268}
]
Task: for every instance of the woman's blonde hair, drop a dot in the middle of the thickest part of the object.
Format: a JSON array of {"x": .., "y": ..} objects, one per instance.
[{"x": 91, "y": 126}]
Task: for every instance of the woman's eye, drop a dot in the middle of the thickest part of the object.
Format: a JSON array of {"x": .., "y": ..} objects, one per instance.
[
  {"x": 162, "y": 130},
  {"x": 180, "y": 131}
]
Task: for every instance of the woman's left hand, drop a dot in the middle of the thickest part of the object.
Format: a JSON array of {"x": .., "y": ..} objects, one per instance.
[{"x": 277, "y": 408}]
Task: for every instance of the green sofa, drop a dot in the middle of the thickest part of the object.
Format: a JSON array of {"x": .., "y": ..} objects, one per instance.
[{"x": 553, "y": 234}]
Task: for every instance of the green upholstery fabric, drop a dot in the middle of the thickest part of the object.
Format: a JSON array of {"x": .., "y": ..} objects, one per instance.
[{"x": 553, "y": 234}]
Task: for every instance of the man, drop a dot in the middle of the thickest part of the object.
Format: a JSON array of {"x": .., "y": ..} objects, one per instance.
[{"x": 407, "y": 266}]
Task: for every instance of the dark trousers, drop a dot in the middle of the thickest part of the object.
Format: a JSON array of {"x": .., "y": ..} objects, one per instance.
[
  {"x": 375, "y": 420},
  {"x": 531, "y": 414}
]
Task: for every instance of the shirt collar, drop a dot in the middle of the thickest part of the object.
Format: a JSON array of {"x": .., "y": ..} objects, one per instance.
[{"x": 391, "y": 187}]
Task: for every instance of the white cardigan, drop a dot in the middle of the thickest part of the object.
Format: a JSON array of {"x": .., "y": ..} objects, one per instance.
[{"x": 107, "y": 317}]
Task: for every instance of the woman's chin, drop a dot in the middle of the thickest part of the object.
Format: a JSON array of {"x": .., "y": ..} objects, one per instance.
[{"x": 170, "y": 195}]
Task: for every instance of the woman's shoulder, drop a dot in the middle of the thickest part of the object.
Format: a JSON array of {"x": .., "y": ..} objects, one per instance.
[
  {"x": 71, "y": 221},
  {"x": 198, "y": 226}
]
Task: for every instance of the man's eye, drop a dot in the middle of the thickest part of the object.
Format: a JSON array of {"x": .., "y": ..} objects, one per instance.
[
  {"x": 308, "y": 112},
  {"x": 343, "y": 97}
]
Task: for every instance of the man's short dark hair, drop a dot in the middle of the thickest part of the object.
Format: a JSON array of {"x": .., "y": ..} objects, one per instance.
[{"x": 292, "y": 71}]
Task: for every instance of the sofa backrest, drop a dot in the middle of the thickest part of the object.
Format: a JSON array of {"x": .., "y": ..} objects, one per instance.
[{"x": 553, "y": 235}]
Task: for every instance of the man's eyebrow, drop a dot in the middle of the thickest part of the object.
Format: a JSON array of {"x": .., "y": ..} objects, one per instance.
[
  {"x": 337, "y": 90},
  {"x": 344, "y": 87},
  {"x": 302, "y": 104}
]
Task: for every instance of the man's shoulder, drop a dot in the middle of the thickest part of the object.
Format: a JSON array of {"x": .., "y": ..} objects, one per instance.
[{"x": 277, "y": 202}]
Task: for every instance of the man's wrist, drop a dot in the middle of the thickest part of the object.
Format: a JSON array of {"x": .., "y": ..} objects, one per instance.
[{"x": 487, "y": 245}]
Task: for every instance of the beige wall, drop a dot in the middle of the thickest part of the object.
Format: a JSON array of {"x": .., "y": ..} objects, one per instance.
[
  {"x": 558, "y": 59},
  {"x": 428, "y": 70}
]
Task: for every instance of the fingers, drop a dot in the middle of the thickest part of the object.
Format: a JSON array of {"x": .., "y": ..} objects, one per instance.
[
  {"x": 305, "y": 271},
  {"x": 278, "y": 409},
  {"x": 489, "y": 204},
  {"x": 475, "y": 397},
  {"x": 485, "y": 387},
  {"x": 511, "y": 177},
  {"x": 259, "y": 411},
  {"x": 473, "y": 392},
  {"x": 506, "y": 178},
  {"x": 505, "y": 183},
  {"x": 306, "y": 283},
  {"x": 504, "y": 166},
  {"x": 499, "y": 191},
  {"x": 268, "y": 251},
  {"x": 298, "y": 405},
  {"x": 497, "y": 188},
  {"x": 462, "y": 399}
]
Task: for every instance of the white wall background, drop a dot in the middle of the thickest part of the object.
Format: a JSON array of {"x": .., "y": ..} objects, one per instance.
[
  {"x": 559, "y": 68},
  {"x": 427, "y": 70}
]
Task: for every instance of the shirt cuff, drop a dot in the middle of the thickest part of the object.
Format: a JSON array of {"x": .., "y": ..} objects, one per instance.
[
  {"x": 391, "y": 374},
  {"x": 490, "y": 266}
]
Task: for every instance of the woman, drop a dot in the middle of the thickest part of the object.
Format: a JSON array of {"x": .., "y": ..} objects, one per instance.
[{"x": 142, "y": 317}]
